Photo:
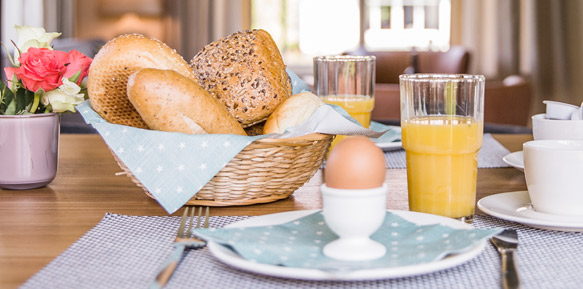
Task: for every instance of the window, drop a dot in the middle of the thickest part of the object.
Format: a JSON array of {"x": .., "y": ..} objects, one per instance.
[
  {"x": 420, "y": 24},
  {"x": 303, "y": 29}
]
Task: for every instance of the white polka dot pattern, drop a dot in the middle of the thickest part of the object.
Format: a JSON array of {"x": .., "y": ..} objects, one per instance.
[
  {"x": 300, "y": 243},
  {"x": 126, "y": 252}
]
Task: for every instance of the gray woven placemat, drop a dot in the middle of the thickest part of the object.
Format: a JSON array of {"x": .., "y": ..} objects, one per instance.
[
  {"x": 126, "y": 251},
  {"x": 489, "y": 156}
]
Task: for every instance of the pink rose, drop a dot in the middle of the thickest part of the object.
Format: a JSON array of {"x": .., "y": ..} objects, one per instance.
[
  {"x": 41, "y": 68},
  {"x": 10, "y": 72},
  {"x": 78, "y": 61}
]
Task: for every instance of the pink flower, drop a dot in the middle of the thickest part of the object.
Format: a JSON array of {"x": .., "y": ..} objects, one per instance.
[
  {"x": 77, "y": 62},
  {"x": 10, "y": 72},
  {"x": 41, "y": 68}
]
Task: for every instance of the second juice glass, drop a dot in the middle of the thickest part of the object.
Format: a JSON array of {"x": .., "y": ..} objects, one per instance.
[
  {"x": 442, "y": 118},
  {"x": 347, "y": 81}
]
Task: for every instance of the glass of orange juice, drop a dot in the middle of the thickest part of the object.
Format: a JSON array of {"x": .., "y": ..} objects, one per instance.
[
  {"x": 442, "y": 118},
  {"x": 347, "y": 81}
]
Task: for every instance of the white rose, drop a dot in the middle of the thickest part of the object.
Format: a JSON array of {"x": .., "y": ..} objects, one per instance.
[
  {"x": 32, "y": 37},
  {"x": 64, "y": 98}
]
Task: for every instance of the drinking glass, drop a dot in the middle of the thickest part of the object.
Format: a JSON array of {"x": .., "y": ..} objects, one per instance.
[
  {"x": 347, "y": 81},
  {"x": 442, "y": 118}
]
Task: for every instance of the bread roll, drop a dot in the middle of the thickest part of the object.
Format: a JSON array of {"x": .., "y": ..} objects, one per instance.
[
  {"x": 246, "y": 73},
  {"x": 113, "y": 64},
  {"x": 255, "y": 129},
  {"x": 169, "y": 101},
  {"x": 294, "y": 111}
]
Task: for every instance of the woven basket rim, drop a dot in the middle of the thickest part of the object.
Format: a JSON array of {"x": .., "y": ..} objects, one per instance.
[
  {"x": 302, "y": 138},
  {"x": 266, "y": 147}
]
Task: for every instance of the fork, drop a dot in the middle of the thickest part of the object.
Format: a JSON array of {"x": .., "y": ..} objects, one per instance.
[
  {"x": 506, "y": 243},
  {"x": 184, "y": 240}
]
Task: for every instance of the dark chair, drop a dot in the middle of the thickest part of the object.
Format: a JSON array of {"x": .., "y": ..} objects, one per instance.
[{"x": 506, "y": 105}]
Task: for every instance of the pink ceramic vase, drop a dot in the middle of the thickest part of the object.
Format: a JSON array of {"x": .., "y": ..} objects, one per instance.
[{"x": 29, "y": 150}]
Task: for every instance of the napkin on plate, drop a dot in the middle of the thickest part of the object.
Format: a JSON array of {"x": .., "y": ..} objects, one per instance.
[
  {"x": 299, "y": 243},
  {"x": 391, "y": 133},
  {"x": 173, "y": 167}
]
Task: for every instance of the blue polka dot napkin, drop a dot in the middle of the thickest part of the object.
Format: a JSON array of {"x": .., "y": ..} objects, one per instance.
[
  {"x": 299, "y": 243},
  {"x": 390, "y": 133},
  {"x": 173, "y": 167}
]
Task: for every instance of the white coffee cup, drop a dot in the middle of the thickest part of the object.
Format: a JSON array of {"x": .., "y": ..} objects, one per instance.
[{"x": 553, "y": 171}]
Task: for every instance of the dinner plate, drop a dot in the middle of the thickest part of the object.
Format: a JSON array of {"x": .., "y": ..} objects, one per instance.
[
  {"x": 390, "y": 140},
  {"x": 516, "y": 207},
  {"x": 515, "y": 159},
  {"x": 229, "y": 257},
  {"x": 389, "y": 146}
]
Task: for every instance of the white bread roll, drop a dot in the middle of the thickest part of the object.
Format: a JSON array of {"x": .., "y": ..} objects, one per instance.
[
  {"x": 168, "y": 101},
  {"x": 294, "y": 111},
  {"x": 113, "y": 64}
]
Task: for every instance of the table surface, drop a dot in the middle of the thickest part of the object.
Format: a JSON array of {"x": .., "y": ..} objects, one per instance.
[{"x": 37, "y": 225}]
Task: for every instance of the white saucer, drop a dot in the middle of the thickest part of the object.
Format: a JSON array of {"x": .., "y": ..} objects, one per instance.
[
  {"x": 229, "y": 257},
  {"x": 516, "y": 207},
  {"x": 515, "y": 159}
]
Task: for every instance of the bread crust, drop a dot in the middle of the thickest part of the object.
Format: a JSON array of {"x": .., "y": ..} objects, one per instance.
[
  {"x": 245, "y": 71},
  {"x": 169, "y": 101},
  {"x": 115, "y": 62}
]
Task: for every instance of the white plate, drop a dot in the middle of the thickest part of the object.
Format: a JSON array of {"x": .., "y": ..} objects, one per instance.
[
  {"x": 389, "y": 146},
  {"x": 516, "y": 207},
  {"x": 386, "y": 142},
  {"x": 515, "y": 159},
  {"x": 229, "y": 257}
]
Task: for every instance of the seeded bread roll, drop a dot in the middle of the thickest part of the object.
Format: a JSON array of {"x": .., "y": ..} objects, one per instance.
[
  {"x": 245, "y": 71},
  {"x": 255, "y": 129},
  {"x": 294, "y": 111},
  {"x": 113, "y": 64},
  {"x": 169, "y": 101}
]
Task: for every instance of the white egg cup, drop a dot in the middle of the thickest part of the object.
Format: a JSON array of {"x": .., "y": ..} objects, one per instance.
[{"x": 354, "y": 215}]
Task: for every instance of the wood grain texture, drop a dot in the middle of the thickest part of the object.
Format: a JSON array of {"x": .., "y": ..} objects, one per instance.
[{"x": 37, "y": 225}]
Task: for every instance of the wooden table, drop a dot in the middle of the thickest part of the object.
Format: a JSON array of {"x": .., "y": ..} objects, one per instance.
[{"x": 37, "y": 225}]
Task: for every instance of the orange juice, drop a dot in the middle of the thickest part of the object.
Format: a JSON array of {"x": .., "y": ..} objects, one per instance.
[
  {"x": 358, "y": 107},
  {"x": 442, "y": 164}
]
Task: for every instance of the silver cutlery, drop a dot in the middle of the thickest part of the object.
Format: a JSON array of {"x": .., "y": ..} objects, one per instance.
[
  {"x": 506, "y": 243},
  {"x": 184, "y": 240}
]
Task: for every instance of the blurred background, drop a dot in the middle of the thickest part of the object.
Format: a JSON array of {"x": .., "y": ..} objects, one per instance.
[{"x": 529, "y": 50}]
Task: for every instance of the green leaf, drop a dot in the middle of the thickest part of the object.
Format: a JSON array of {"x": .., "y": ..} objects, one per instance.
[
  {"x": 7, "y": 100},
  {"x": 75, "y": 77},
  {"x": 11, "y": 108},
  {"x": 2, "y": 88},
  {"x": 20, "y": 99}
]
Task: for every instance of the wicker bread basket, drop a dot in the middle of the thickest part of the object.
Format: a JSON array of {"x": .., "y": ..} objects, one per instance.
[{"x": 265, "y": 171}]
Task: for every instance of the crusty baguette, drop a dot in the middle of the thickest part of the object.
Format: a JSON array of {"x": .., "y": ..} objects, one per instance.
[
  {"x": 294, "y": 111},
  {"x": 169, "y": 101},
  {"x": 245, "y": 71},
  {"x": 113, "y": 64}
]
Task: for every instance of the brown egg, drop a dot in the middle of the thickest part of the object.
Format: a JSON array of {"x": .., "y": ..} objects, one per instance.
[{"x": 355, "y": 163}]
